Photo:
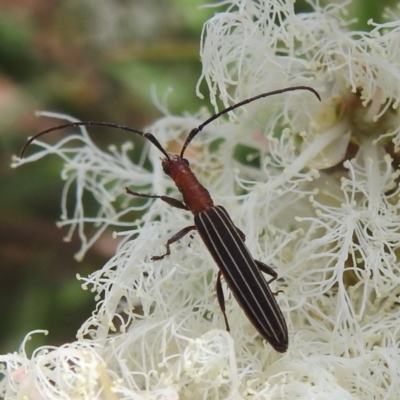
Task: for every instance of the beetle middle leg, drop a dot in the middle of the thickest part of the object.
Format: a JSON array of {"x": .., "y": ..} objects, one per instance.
[
  {"x": 269, "y": 271},
  {"x": 241, "y": 234},
  {"x": 174, "y": 203},
  {"x": 173, "y": 239}
]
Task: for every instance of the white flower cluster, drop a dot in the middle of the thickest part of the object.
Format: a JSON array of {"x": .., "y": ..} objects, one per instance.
[{"x": 318, "y": 200}]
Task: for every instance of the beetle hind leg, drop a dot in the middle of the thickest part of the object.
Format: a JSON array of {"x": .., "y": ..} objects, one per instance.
[{"x": 221, "y": 300}]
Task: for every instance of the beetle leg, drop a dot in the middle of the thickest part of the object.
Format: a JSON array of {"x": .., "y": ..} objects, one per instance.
[
  {"x": 221, "y": 300},
  {"x": 169, "y": 200},
  {"x": 241, "y": 234},
  {"x": 173, "y": 239},
  {"x": 269, "y": 271}
]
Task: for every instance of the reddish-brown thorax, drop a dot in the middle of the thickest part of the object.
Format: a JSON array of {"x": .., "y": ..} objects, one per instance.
[{"x": 195, "y": 195}]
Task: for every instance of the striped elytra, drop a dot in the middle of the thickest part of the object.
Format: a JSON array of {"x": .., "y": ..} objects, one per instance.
[{"x": 242, "y": 273}]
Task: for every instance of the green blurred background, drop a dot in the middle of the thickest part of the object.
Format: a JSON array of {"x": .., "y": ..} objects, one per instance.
[{"x": 95, "y": 60}]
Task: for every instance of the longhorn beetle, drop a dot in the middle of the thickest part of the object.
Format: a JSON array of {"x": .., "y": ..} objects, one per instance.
[{"x": 222, "y": 238}]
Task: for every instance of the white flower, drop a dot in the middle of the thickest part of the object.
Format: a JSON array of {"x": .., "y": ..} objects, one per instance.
[{"x": 318, "y": 199}]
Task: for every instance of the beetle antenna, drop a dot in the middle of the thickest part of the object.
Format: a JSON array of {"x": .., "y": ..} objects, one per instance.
[
  {"x": 150, "y": 137},
  {"x": 197, "y": 130}
]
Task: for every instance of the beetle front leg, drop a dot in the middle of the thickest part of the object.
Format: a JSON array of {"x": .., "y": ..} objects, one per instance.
[
  {"x": 174, "y": 239},
  {"x": 169, "y": 200},
  {"x": 221, "y": 300}
]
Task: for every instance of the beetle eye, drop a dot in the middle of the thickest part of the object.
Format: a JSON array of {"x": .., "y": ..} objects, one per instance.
[
  {"x": 186, "y": 161},
  {"x": 166, "y": 170}
]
